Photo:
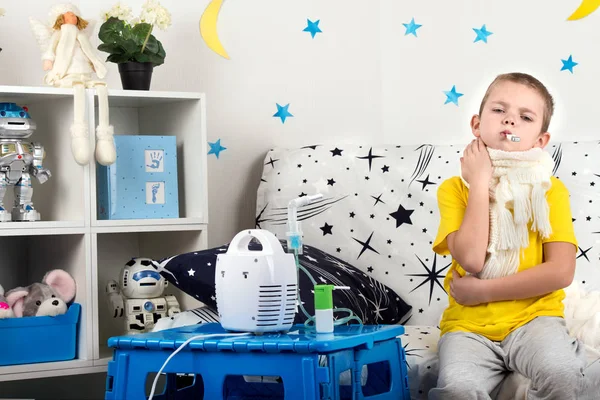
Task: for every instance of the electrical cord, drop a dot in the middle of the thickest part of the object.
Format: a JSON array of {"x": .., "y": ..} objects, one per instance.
[{"x": 181, "y": 347}]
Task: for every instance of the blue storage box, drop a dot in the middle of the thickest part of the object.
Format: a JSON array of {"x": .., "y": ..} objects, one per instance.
[
  {"x": 142, "y": 182},
  {"x": 29, "y": 340}
]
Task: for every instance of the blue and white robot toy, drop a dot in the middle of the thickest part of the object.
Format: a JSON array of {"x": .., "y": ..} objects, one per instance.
[
  {"x": 141, "y": 299},
  {"x": 19, "y": 161}
]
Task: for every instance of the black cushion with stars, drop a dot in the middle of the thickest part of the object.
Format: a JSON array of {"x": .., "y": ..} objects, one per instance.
[{"x": 370, "y": 300}]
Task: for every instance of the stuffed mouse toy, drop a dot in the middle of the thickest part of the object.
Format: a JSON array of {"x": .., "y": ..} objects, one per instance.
[
  {"x": 50, "y": 297},
  {"x": 5, "y": 309}
]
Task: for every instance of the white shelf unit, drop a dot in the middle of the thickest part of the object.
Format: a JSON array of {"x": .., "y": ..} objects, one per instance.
[{"x": 71, "y": 237}]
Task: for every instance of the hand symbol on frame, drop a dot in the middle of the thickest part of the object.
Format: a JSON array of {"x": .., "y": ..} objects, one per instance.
[{"x": 155, "y": 158}]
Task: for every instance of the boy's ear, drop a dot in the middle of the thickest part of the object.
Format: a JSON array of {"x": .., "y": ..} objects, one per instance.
[
  {"x": 542, "y": 140},
  {"x": 475, "y": 123}
]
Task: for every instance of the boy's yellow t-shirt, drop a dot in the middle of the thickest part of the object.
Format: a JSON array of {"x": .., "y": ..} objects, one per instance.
[{"x": 497, "y": 319}]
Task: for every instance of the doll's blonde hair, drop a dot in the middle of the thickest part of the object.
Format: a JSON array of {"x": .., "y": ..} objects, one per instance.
[{"x": 81, "y": 23}]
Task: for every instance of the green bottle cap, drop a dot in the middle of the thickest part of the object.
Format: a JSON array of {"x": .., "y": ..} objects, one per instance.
[{"x": 323, "y": 297}]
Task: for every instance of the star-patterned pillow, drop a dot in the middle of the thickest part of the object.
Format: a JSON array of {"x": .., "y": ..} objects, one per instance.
[{"x": 370, "y": 300}]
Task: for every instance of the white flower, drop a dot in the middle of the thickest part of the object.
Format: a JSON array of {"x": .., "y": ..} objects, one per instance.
[
  {"x": 119, "y": 10},
  {"x": 155, "y": 14}
]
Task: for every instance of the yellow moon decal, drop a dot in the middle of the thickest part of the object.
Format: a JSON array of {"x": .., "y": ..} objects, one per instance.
[
  {"x": 208, "y": 28},
  {"x": 585, "y": 8}
]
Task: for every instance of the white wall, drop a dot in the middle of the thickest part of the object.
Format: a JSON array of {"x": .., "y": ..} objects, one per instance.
[
  {"x": 528, "y": 36},
  {"x": 361, "y": 79}
]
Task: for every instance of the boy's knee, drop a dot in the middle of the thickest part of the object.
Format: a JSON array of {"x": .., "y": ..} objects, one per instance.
[
  {"x": 562, "y": 380},
  {"x": 455, "y": 381},
  {"x": 458, "y": 389}
]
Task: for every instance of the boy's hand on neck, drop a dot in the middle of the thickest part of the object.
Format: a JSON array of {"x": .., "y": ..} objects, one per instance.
[
  {"x": 469, "y": 244},
  {"x": 475, "y": 163}
]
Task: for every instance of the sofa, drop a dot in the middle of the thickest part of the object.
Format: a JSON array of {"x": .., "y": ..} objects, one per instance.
[{"x": 379, "y": 213}]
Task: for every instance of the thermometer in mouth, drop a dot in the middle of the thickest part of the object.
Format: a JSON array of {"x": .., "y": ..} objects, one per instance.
[{"x": 513, "y": 138}]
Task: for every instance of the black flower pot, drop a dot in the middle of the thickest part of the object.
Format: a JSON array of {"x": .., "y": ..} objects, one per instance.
[{"x": 136, "y": 75}]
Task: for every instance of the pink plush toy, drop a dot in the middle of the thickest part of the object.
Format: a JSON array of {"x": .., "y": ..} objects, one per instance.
[
  {"x": 5, "y": 309},
  {"x": 50, "y": 297}
]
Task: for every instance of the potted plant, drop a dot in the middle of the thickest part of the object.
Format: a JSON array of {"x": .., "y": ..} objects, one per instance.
[{"x": 131, "y": 44}]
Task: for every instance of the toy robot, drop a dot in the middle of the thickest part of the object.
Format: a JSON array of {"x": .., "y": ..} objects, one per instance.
[
  {"x": 141, "y": 300},
  {"x": 19, "y": 160}
]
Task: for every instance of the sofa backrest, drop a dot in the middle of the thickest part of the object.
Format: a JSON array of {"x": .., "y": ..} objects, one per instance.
[{"x": 379, "y": 209}]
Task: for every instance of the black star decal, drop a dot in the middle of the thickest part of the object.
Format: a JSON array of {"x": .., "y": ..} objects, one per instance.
[
  {"x": 574, "y": 173},
  {"x": 366, "y": 246},
  {"x": 299, "y": 165},
  {"x": 432, "y": 276},
  {"x": 336, "y": 152},
  {"x": 378, "y": 199},
  {"x": 402, "y": 216},
  {"x": 352, "y": 214},
  {"x": 588, "y": 218},
  {"x": 420, "y": 311},
  {"x": 326, "y": 229},
  {"x": 426, "y": 182},
  {"x": 584, "y": 253},
  {"x": 389, "y": 241},
  {"x": 272, "y": 162},
  {"x": 370, "y": 269},
  {"x": 338, "y": 250},
  {"x": 370, "y": 157},
  {"x": 304, "y": 181},
  {"x": 257, "y": 221},
  {"x": 330, "y": 182},
  {"x": 385, "y": 168}
]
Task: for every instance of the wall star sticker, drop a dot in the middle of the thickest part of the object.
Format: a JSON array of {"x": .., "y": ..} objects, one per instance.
[
  {"x": 452, "y": 96},
  {"x": 312, "y": 27},
  {"x": 216, "y": 148},
  {"x": 282, "y": 112},
  {"x": 568, "y": 64},
  {"x": 482, "y": 34},
  {"x": 411, "y": 28}
]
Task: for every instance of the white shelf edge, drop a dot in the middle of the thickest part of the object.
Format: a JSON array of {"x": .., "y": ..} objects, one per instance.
[
  {"x": 7, "y": 89},
  {"x": 155, "y": 94},
  {"x": 13, "y": 372},
  {"x": 149, "y": 228},
  {"x": 40, "y": 228},
  {"x": 78, "y": 370}
]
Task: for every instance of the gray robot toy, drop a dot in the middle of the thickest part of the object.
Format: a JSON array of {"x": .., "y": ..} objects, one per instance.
[{"x": 19, "y": 161}]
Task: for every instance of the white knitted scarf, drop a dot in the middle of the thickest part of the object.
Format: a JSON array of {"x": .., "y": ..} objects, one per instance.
[{"x": 520, "y": 180}]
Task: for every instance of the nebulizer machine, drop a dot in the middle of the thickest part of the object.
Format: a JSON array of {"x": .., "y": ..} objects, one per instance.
[{"x": 257, "y": 290}]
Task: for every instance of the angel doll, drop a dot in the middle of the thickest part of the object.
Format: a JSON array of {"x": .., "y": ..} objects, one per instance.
[{"x": 70, "y": 62}]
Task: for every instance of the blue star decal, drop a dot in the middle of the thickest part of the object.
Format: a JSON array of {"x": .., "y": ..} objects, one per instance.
[
  {"x": 482, "y": 34},
  {"x": 313, "y": 27},
  {"x": 282, "y": 112},
  {"x": 452, "y": 96},
  {"x": 411, "y": 27},
  {"x": 568, "y": 64},
  {"x": 216, "y": 148}
]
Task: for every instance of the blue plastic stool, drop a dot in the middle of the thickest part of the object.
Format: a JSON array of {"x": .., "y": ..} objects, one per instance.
[{"x": 309, "y": 365}]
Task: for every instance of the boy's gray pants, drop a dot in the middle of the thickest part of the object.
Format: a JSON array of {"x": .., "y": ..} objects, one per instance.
[{"x": 472, "y": 366}]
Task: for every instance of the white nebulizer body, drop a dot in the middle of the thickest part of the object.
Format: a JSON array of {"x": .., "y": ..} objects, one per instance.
[{"x": 256, "y": 291}]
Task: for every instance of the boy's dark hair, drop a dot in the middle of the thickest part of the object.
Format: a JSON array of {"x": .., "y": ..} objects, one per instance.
[{"x": 527, "y": 80}]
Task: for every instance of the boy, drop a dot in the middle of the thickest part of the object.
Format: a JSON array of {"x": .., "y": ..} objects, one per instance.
[{"x": 505, "y": 309}]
